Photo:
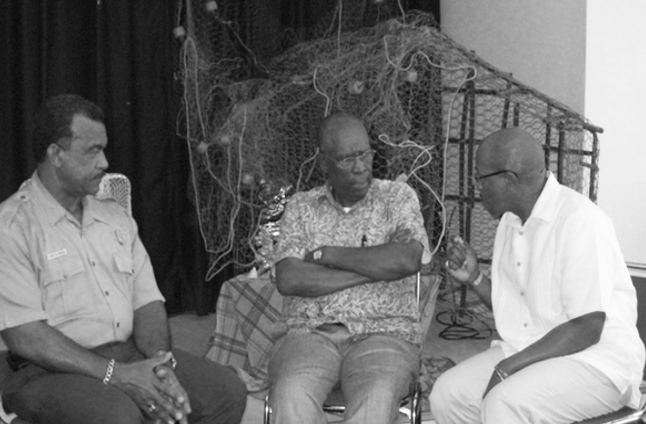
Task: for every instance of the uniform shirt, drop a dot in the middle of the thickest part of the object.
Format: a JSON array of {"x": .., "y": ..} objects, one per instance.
[
  {"x": 84, "y": 280},
  {"x": 313, "y": 219},
  {"x": 565, "y": 262}
]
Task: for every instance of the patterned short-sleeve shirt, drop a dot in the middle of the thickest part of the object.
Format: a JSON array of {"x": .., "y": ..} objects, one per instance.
[{"x": 313, "y": 219}]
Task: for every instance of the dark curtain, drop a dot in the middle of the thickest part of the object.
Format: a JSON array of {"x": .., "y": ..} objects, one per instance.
[{"x": 122, "y": 55}]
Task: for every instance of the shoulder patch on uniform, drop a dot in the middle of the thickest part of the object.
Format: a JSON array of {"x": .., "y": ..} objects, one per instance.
[{"x": 10, "y": 207}]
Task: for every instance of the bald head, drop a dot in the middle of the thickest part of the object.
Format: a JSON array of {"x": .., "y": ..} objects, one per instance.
[
  {"x": 346, "y": 157},
  {"x": 332, "y": 128},
  {"x": 512, "y": 164},
  {"x": 512, "y": 149}
]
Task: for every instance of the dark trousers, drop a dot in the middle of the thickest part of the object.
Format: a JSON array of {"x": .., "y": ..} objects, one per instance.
[{"x": 216, "y": 393}]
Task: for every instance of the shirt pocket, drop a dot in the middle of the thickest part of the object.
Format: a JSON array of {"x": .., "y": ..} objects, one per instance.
[
  {"x": 125, "y": 272},
  {"x": 63, "y": 286},
  {"x": 123, "y": 262}
]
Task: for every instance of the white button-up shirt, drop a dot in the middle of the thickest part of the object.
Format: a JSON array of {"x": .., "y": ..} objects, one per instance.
[{"x": 564, "y": 262}]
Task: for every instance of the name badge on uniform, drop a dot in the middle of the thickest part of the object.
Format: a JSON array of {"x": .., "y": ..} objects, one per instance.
[{"x": 56, "y": 254}]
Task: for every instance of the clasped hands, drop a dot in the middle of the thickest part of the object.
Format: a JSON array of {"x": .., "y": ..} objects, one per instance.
[{"x": 153, "y": 386}]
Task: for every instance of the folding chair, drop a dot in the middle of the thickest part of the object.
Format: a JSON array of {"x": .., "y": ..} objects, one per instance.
[
  {"x": 625, "y": 415},
  {"x": 116, "y": 186},
  {"x": 628, "y": 415},
  {"x": 411, "y": 404}
]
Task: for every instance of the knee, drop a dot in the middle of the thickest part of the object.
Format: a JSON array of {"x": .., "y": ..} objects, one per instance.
[
  {"x": 116, "y": 409},
  {"x": 238, "y": 396},
  {"x": 444, "y": 394},
  {"x": 233, "y": 410},
  {"x": 230, "y": 402},
  {"x": 300, "y": 391},
  {"x": 288, "y": 388},
  {"x": 501, "y": 402},
  {"x": 386, "y": 390},
  {"x": 126, "y": 414}
]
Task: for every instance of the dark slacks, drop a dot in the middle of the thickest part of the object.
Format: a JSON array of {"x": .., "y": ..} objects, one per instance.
[{"x": 216, "y": 393}]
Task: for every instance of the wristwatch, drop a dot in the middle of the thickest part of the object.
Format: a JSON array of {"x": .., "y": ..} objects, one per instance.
[{"x": 173, "y": 361}]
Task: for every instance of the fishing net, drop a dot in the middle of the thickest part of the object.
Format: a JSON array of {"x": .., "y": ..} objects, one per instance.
[{"x": 255, "y": 93}]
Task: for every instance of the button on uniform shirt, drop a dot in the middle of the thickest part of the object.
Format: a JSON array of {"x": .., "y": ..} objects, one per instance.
[
  {"x": 313, "y": 219},
  {"x": 84, "y": 280},
  {"x": 565, "y": 262}
]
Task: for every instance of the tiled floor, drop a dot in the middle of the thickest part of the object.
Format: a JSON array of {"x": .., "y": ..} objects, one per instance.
[{"x": 192, "y": 333}]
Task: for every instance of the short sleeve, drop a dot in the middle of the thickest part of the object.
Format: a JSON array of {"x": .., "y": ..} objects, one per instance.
[
  {"x": 586, "y": 264},
  {"x": 145, "y": 287},
  {"x": 410, "y": 216},
  {"x": 292, "y": 240},
  {"x": 20, "y": 295}
]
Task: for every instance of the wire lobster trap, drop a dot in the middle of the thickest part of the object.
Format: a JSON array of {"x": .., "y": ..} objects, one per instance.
[{"x": 250, "y": 119}]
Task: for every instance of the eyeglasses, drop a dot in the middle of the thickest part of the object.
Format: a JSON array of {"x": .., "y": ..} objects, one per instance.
[
  {"x": 347, "y": 163},
  {"x": 477, "y": 179}
]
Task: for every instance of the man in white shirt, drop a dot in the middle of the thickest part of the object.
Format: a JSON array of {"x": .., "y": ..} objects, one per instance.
[{"x": 563, "y": 301}]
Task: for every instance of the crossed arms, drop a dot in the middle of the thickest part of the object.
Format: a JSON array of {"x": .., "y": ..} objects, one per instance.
[{"x": 339, "y": 268}]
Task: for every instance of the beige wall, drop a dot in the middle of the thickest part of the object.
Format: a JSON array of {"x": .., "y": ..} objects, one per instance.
[
  {"x": 542, "y": 42},
  {"x": 591, "y": 56},
  {"x": 616, "y": 98}
]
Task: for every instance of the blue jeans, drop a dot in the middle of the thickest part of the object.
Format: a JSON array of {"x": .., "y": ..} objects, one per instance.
[
  {"x": 216, "y": 393},
  {"x": 374, "y": 373}
]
